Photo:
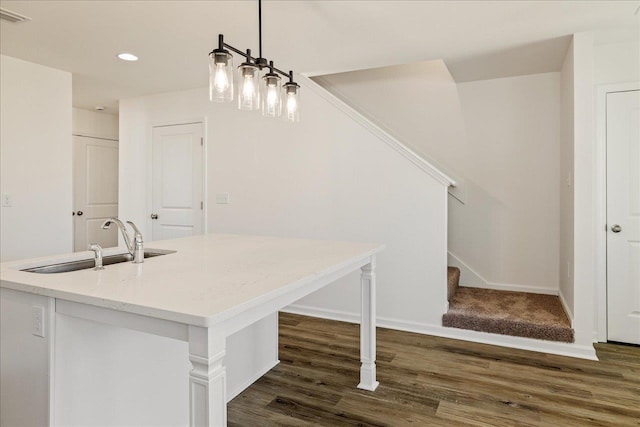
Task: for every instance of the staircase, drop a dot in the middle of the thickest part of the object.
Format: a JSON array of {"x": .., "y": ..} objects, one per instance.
[{"x": 518, "y": 314}]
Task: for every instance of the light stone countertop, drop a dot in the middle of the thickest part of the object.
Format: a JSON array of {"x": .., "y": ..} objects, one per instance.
[{"x": 207, "y": 280}]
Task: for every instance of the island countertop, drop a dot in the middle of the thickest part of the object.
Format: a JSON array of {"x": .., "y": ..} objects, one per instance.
[{"x": 209, "y": 278}]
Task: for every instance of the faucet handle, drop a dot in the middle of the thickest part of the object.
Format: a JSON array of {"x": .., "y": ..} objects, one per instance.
[{"x": 97, "y": 249}]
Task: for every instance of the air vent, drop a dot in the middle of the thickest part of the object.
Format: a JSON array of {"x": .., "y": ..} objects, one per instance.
[{"x": 10, "y": 16}]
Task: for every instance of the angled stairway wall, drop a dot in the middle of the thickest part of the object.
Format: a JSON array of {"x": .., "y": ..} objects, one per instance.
[{"x": 499, "y": 140}]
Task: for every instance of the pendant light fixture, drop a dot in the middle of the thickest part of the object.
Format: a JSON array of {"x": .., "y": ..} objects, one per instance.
[{"x": 266, "y": 92}]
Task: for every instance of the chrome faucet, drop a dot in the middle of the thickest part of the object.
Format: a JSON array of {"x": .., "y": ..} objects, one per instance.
[
  {"x": 97, "y": 249},
  {"x": 135, "y": 245}
]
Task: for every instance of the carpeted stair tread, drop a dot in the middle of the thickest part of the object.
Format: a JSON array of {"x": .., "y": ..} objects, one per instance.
[
  {"x": 509, "y": 313},
  {"x": 453, "y": 278}
]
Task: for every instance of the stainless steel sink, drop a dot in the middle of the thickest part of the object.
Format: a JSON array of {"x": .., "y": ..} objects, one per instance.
[{"x": 85, "y": 264}]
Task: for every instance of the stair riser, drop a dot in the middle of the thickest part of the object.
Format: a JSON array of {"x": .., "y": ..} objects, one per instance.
[
  {"x": 453, "y": 281},
  {"x": 507, "y": 327}
]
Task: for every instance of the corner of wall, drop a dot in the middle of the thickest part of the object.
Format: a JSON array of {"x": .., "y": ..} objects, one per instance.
[
  {"x": 584, "y": 189},
  {"x": 565, "y": 306}
]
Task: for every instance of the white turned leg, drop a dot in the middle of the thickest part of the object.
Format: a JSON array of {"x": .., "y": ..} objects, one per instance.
[
  {"x": 207, "y": 379},
  {"x": 368, "y": 328}
]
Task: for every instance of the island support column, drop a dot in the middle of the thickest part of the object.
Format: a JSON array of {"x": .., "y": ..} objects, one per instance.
[
  {"x": 368, "y": 327},
  {"x": 208, "y": 378}
]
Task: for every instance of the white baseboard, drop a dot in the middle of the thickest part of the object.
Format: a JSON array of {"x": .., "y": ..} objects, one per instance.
[
  {"x": 341, "y": 316},
  {"x": 471, "y": 279},
  {"x": 562, "y": 349},
  {"x": 567, "y": 310},
  {"x": 232, "y": 394},
  {"x": 517, "y": 288}
]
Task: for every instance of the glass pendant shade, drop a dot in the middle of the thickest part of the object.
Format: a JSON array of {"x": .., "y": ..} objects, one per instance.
[
  {"x": 271, "y": 98},
  {"x": 260, "y": 85},
  {"x": 249, "y": 93},
  {"x": 220, "y": 76},
  {"x": 291, "y": 101}
]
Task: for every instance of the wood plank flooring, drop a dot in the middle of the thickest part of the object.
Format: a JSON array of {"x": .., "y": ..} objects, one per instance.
[{"x": 431, "y": 381}]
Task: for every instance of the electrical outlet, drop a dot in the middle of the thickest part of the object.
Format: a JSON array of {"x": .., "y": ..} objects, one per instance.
[
  {"x": 37, "y": 320},
  {"x": 6, "y": 200},
  {"x": 222, "y": 198}
]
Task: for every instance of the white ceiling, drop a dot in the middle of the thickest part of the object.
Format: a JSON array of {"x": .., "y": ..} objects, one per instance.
[{"x": 477, "y": 39}]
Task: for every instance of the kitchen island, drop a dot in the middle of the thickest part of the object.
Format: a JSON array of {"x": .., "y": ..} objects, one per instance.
[{"x": 201, "y": 291}]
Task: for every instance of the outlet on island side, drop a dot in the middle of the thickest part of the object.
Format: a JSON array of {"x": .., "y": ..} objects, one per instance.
[{"x": 37, "y": 320}]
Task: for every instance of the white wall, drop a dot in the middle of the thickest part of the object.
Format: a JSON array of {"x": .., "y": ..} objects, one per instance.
[
  {"x": 508, "y": 229},
  {"x": 416, "y": 103},
  {"x": 499, "y": 139},
  {"x": 565, "y": 276},
  {"x": 95, "y": 124},
  {"x": 326, "y": 177},
  {"x": 35, "y": 169},
  {"x": 617, "y": 62},
  {"x": 584, "y": 228}
]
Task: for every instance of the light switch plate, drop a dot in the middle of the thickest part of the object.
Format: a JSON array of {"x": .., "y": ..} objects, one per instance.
[{"x": 222, "y": 198}]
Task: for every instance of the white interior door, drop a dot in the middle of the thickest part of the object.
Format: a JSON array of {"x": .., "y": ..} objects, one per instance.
[
  {"x": 623, "y": 216},
  {"x": 177, "y": 181},
  {"x": 95, "y": 182}
]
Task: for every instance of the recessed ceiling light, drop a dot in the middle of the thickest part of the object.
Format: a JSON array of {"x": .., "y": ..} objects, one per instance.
[{"x": 127, "y": 57}]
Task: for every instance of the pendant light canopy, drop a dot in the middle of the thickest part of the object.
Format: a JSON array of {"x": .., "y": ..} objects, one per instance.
[{"x": 255, "y": 91}]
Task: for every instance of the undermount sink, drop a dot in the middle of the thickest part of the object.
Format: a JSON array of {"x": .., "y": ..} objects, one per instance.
[{"x": 85, "y": 264}]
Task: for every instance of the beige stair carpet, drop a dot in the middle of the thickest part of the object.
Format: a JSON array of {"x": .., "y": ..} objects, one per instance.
[
  {"x": 453, "y": 278},
  {"x": 509, "y": 313}
]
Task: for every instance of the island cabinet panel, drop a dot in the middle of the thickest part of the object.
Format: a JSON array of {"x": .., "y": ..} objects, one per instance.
[
  {"x": 126, "y": 377},
  {"x": 26, "y": 331},
  {"x": 102, "y": 372}
]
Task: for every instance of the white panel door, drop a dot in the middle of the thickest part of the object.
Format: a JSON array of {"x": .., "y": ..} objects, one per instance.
[
  {"x": 623, "y": 216},
  {"x": 95, "y": 182},
  {"x": 177, "y": 181}
]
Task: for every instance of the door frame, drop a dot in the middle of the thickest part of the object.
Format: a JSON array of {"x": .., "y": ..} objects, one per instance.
[
  {"x": 185, "y": 121},
  {"x": 601, "y": 200}
]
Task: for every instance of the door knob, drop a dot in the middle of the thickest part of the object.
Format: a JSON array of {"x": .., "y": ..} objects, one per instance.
[
  {"x": 154, "y": 216},
  {"x": 80, "y": 213},
  {"x": 616, "y": 228}
]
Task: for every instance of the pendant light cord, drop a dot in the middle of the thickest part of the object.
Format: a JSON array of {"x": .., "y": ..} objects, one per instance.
[{"x": 260, "y": 27}]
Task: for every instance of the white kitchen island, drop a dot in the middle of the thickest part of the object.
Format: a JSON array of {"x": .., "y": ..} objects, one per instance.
[{"x": 211, "y": 287}]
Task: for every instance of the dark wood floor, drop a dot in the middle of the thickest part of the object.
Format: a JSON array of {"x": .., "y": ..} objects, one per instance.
[{"x": 430, "y": 381}]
